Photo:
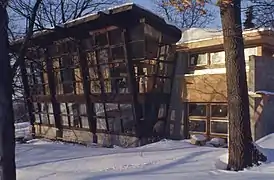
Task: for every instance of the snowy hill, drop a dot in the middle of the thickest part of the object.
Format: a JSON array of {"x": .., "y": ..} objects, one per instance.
[{"x": 163, "y": 160}]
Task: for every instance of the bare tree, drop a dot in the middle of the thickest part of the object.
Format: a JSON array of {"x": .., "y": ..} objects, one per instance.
[
  {"x": 263, "y": 12},
  {"x": 242, "y": 152},
  {"x": 240, "y": 141},
  {"x": 193, "y": 16},
  {"x": 37, "y": 15},
  {"x": 7, "y": 142}
]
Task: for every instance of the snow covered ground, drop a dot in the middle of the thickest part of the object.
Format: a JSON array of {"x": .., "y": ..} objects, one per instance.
[{"x": 40, "y": 160}]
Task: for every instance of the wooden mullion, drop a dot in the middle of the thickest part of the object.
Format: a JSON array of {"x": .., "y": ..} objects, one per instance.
[
  {"x": 68, "y": 115},
  {"x": 157, "y": 62}
]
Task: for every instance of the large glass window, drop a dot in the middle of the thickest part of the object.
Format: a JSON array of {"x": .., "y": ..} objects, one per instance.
[{"x": 208, "y": 118}]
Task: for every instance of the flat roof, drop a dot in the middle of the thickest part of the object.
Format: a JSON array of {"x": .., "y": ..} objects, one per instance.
[{"x": 131, "y": 11}]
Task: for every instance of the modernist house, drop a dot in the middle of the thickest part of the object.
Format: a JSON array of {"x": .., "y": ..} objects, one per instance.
[
  {"x": 199, "y": 99},
  {"x": 104, "y": 78}
]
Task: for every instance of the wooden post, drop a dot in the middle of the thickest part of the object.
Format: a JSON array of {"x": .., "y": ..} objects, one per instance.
[
  {"x": 132, "y": 82},
  {"x": 52, "y": 87},
  {"x": 27, "y": 95},
  {"x": 86, "y": 85},
  {"x": 172, "y": 79}
]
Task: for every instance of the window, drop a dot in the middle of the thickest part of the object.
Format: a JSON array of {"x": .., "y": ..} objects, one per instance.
[
  {"x": 197, "y": 117},
  {"x": 198, "y": 59},
  {"x": 115, "y": 36},
  {"x": 219, "y": 110},
  {"x": 197, "y": 109},
  {"x": 67, "y": 74},
  {"x": 197, "y": 126},
  {"x": 218, "y": 119},
  {"x": 217, "y": 57},
  {"x": 208, "y": 118},
  {"x": 218, "y": 127}
]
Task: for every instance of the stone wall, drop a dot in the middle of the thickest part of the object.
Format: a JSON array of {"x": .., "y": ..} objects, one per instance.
[{"x": 85, "y": 137}]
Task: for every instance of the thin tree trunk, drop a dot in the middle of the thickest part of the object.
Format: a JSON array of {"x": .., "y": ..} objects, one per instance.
[
  {"x": 240, "y": 141},
  {"x": 7, "y": 141}
]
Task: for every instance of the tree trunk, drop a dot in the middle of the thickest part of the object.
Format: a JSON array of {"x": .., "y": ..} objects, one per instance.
[
  {"x": 240, "y": 141},
  {"x": 7, "y": 141}
]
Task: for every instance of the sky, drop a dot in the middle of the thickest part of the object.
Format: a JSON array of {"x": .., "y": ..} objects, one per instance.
[{"x": 149, "y": 5}]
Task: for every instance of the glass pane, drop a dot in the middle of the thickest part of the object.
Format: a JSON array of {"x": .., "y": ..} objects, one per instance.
[
  {"x": 197, "y": 126},
  {"x": 129, "y": 125},
  {"x": 198, "y": 59},
  {"x": 197, "y": 110},
  {"x": 51, "y": 119},
  {"x": 91, "y": 58},
  {"x": 45, "y": 119},
  {"x": 118, "y": 53},
  {"x": 115, "y": 36},
  {"x": 217, "y": 57},
  {"x": 114, "y": 125},
  {"x": 83, "y": 109},
  {"x": 95, "y": 87},
  {"x": 50, "y": 108},
  {"x": 218, "y": 110},
  {"x": 84, "y": 122},
  {"x": 103, "y": 56},
  {"x": 101, "y": 39},
  {"x": 218, "y": 127},
  {"x": 37, "y": 118},
  {"x": 65, "y": 120},
  {"x": 101, "y": 124}
]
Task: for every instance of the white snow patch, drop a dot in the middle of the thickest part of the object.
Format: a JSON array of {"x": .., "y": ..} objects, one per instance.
[
  {"x": 217, "y": 141},
  {"x": 167, "y": 159},
  {"x": 198, "y": 137},
  {"x": 265, "y": 145},
  {"x": 22, "y": 130},
  {"x": 265, "y": 92}
]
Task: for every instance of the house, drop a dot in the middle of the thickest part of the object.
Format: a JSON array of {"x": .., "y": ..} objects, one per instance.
[
  {"x": 103, "y": 78},
  {"x": 199, "y": 96}
]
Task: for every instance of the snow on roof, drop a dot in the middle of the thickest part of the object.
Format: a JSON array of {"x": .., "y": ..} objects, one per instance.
[
  {"x": 200, "y": 34},
  {"x": 269, "y": 93},
  {"x": 194, "y": 34},
  {"x": 94, "y": 15},
  {"x": 265, "y": 92}
]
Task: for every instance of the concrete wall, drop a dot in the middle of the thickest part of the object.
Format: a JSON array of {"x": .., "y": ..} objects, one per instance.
[
  {"x": 86, "y": 137},
  {"x": 177, "y": 106},
  {"x": 261, "y": 78},
  {"x": 212, "y": 88}
]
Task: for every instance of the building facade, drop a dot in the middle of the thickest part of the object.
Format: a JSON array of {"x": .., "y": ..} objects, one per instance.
[
  {"x": 98, "y": 79},
  {"x": 199, "y": 97}
]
